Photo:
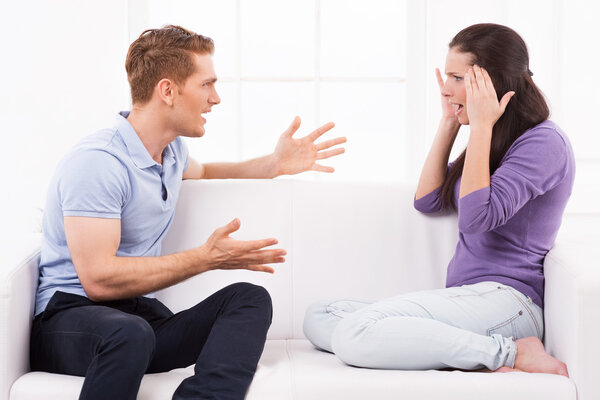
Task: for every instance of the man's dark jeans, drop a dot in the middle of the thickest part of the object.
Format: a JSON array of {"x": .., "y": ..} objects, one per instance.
[{"x": 114, "y": 343}]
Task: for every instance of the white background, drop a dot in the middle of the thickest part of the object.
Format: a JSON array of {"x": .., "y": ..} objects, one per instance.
[{"x": 366, "y": 65}]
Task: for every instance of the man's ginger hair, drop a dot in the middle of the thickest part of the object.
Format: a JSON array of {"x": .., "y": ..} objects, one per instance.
[{"x": 162, "y": 53}]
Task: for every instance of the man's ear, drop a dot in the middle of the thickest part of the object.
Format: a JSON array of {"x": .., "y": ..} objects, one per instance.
[{"x": 165, "y": 89}]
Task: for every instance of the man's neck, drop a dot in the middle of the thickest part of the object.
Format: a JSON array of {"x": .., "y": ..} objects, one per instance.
[{"x": 152, "y": 130}]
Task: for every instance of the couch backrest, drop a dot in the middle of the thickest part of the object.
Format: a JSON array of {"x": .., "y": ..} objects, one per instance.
[
  {"x": 18, "y": 282},
  {"x": 344, "y": 240}
]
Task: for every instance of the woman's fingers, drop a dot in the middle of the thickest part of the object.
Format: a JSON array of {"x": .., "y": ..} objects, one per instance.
[
  {"x": 505, "y": 99},
  {"x": 440, "y": 80},
  {"x": 469, "y": 82},
  {"x": 479, "y": 77}
]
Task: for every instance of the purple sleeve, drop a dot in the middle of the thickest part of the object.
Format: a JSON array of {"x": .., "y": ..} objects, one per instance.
[
  {"x": 431, "y": 202},
  {"x": 533, "y": 165}
]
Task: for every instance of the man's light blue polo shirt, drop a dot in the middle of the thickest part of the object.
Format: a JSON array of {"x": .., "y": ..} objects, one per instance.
[{"x": 109, "y": 174}]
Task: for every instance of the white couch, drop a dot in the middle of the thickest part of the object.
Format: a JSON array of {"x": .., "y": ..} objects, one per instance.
[{"x": 344, "y": 240}]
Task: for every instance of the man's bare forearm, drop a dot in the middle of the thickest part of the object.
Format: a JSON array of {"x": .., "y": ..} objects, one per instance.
[
  {"x": 258, "y": 168},
  {"x": 125, "y": 277}
]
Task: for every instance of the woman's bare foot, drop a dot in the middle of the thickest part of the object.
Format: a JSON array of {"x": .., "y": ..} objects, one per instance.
[
  {"x": 507, "y": 369},
  {"x": 532, "y": 357}
]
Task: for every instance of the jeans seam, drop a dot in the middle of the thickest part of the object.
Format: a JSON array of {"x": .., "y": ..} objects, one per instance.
[
  {"x": 73, "y": 334},
  {"x": 503, "y": 324},
  {"x": 537, "y": 328},
  {"x": 473, "y": 294}
]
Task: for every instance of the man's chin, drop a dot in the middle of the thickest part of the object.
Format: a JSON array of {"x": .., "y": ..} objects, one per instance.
[{"x": 194, "y": 134}]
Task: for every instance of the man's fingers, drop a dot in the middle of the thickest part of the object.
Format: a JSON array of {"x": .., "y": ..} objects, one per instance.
[
  {"x": 260, "y": 268},
  {"x": 330, "y": 153},
  {"x": 263, "y": 257},
  {"x": 321, "y": 130},
  {"x": 440, "y": 80},
  {"x": 322, "y": 168},
  {"x": 293, "y": 127},
  {"x": 330, "y": 143},
  {"x": 253, "y": 245}
]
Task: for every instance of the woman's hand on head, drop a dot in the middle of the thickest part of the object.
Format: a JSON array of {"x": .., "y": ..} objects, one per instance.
[
  {"x": 448, "y": 111},
  {"x": 483, "y": 107}
]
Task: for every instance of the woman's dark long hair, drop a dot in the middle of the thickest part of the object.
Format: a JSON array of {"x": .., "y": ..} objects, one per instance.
[{"x": 503, "y": 53}]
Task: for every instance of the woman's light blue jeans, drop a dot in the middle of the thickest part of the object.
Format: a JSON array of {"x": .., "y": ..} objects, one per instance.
[{"x": 468, "y": 327}]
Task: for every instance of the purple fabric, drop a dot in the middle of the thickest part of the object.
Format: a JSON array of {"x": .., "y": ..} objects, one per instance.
[{"x": 506, "y": 229}]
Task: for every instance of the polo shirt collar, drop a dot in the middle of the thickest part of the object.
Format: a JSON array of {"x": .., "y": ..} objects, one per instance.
[{"x": 138, "y": 152}]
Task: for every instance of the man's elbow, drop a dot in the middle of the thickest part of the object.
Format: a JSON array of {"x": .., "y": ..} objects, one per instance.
[{"x": 94, "y": 289}]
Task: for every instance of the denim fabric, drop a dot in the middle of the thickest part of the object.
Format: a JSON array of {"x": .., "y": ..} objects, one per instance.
[
  {"x": 468, "y": 327},
  {"x": 114, "y": 343}
]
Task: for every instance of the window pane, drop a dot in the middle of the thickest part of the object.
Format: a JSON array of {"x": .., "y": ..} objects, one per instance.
[
  {"x": 277, "y": 38},
  {"x": 371, "y": 116},
  {"x": 360, "y": 38}
]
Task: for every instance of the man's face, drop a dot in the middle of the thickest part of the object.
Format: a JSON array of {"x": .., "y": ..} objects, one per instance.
[{"x": 195, "y": 97}]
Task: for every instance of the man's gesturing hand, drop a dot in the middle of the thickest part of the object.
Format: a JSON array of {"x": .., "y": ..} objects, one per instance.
[
  {"x": 224, "y": 252},
  {"x": 293, "y": 156}
]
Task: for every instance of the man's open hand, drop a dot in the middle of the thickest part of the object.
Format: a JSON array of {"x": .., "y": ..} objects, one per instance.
[
  {"x": 225, "y": 252},
  {"x": 293, "y": 156}
]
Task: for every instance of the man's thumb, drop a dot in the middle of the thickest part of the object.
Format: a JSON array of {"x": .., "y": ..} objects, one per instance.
[{"x": 232, "y": 226}]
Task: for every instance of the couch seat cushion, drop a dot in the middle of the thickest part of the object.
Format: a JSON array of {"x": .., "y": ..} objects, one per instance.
[{"x": 294, "y": 369}]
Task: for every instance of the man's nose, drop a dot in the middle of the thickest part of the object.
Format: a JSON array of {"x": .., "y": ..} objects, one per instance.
[{"x": 214, "y": 98}]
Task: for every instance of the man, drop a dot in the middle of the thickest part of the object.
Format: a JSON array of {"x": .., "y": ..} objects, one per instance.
[{"x": 109, "y": 205}]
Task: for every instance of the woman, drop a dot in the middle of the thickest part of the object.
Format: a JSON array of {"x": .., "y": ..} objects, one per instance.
[{"x": 510, "y": 187}]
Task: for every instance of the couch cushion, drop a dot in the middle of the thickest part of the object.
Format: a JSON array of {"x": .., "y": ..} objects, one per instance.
[
  {"x": 271, "y": 382},
  {"x": 294, "y": 369},
  {"x": 321, "y": 375}
]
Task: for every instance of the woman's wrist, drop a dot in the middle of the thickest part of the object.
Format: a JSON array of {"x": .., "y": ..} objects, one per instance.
[{"x": 449, "y": 127}]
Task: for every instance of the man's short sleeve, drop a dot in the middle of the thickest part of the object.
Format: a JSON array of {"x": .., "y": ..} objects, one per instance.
[{"x": 93, "y": 183}]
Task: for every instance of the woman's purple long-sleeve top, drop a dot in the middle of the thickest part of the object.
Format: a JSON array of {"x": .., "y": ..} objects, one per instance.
[{"x": 506, "y": 229}]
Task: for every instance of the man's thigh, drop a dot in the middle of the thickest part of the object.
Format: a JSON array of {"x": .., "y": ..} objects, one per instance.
[
  {"x": 71, "y": 331},
  {"x": 181, "y": 337}
]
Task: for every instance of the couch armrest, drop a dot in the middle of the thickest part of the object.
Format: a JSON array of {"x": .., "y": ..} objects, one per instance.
[
  {"x": 572, "y": 313},
  {"x": 18, "y": 283}
]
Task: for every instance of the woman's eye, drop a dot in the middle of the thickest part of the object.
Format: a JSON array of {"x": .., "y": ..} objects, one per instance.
[{"x": 458, "y": 78}]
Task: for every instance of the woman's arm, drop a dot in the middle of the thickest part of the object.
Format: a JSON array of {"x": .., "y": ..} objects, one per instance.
[
  {"x": 483, "y": 110},
  {"x": 436, "y": 163}
]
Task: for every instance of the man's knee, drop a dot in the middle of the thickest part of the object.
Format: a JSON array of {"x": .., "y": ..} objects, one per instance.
[
  {"x": 132, "y": 340},
  {"x": 252, "y": 294}
]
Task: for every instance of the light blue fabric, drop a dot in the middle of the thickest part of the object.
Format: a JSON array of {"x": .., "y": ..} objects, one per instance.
[
  {"x": 468, "y": 327},
  {"x": 109, "y": 174}
]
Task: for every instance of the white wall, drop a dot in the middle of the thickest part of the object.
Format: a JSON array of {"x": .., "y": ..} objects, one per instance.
[{"x": 367, "y": 65}]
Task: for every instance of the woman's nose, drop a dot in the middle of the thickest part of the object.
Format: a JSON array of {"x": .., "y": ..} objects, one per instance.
[{"x": 446, "y": 92}]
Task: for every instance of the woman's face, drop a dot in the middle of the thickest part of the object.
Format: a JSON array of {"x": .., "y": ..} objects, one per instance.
[{"x": 457, "y": 65}]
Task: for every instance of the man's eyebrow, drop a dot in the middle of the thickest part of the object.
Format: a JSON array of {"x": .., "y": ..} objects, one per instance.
[{"x": 210, "y": 80}]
